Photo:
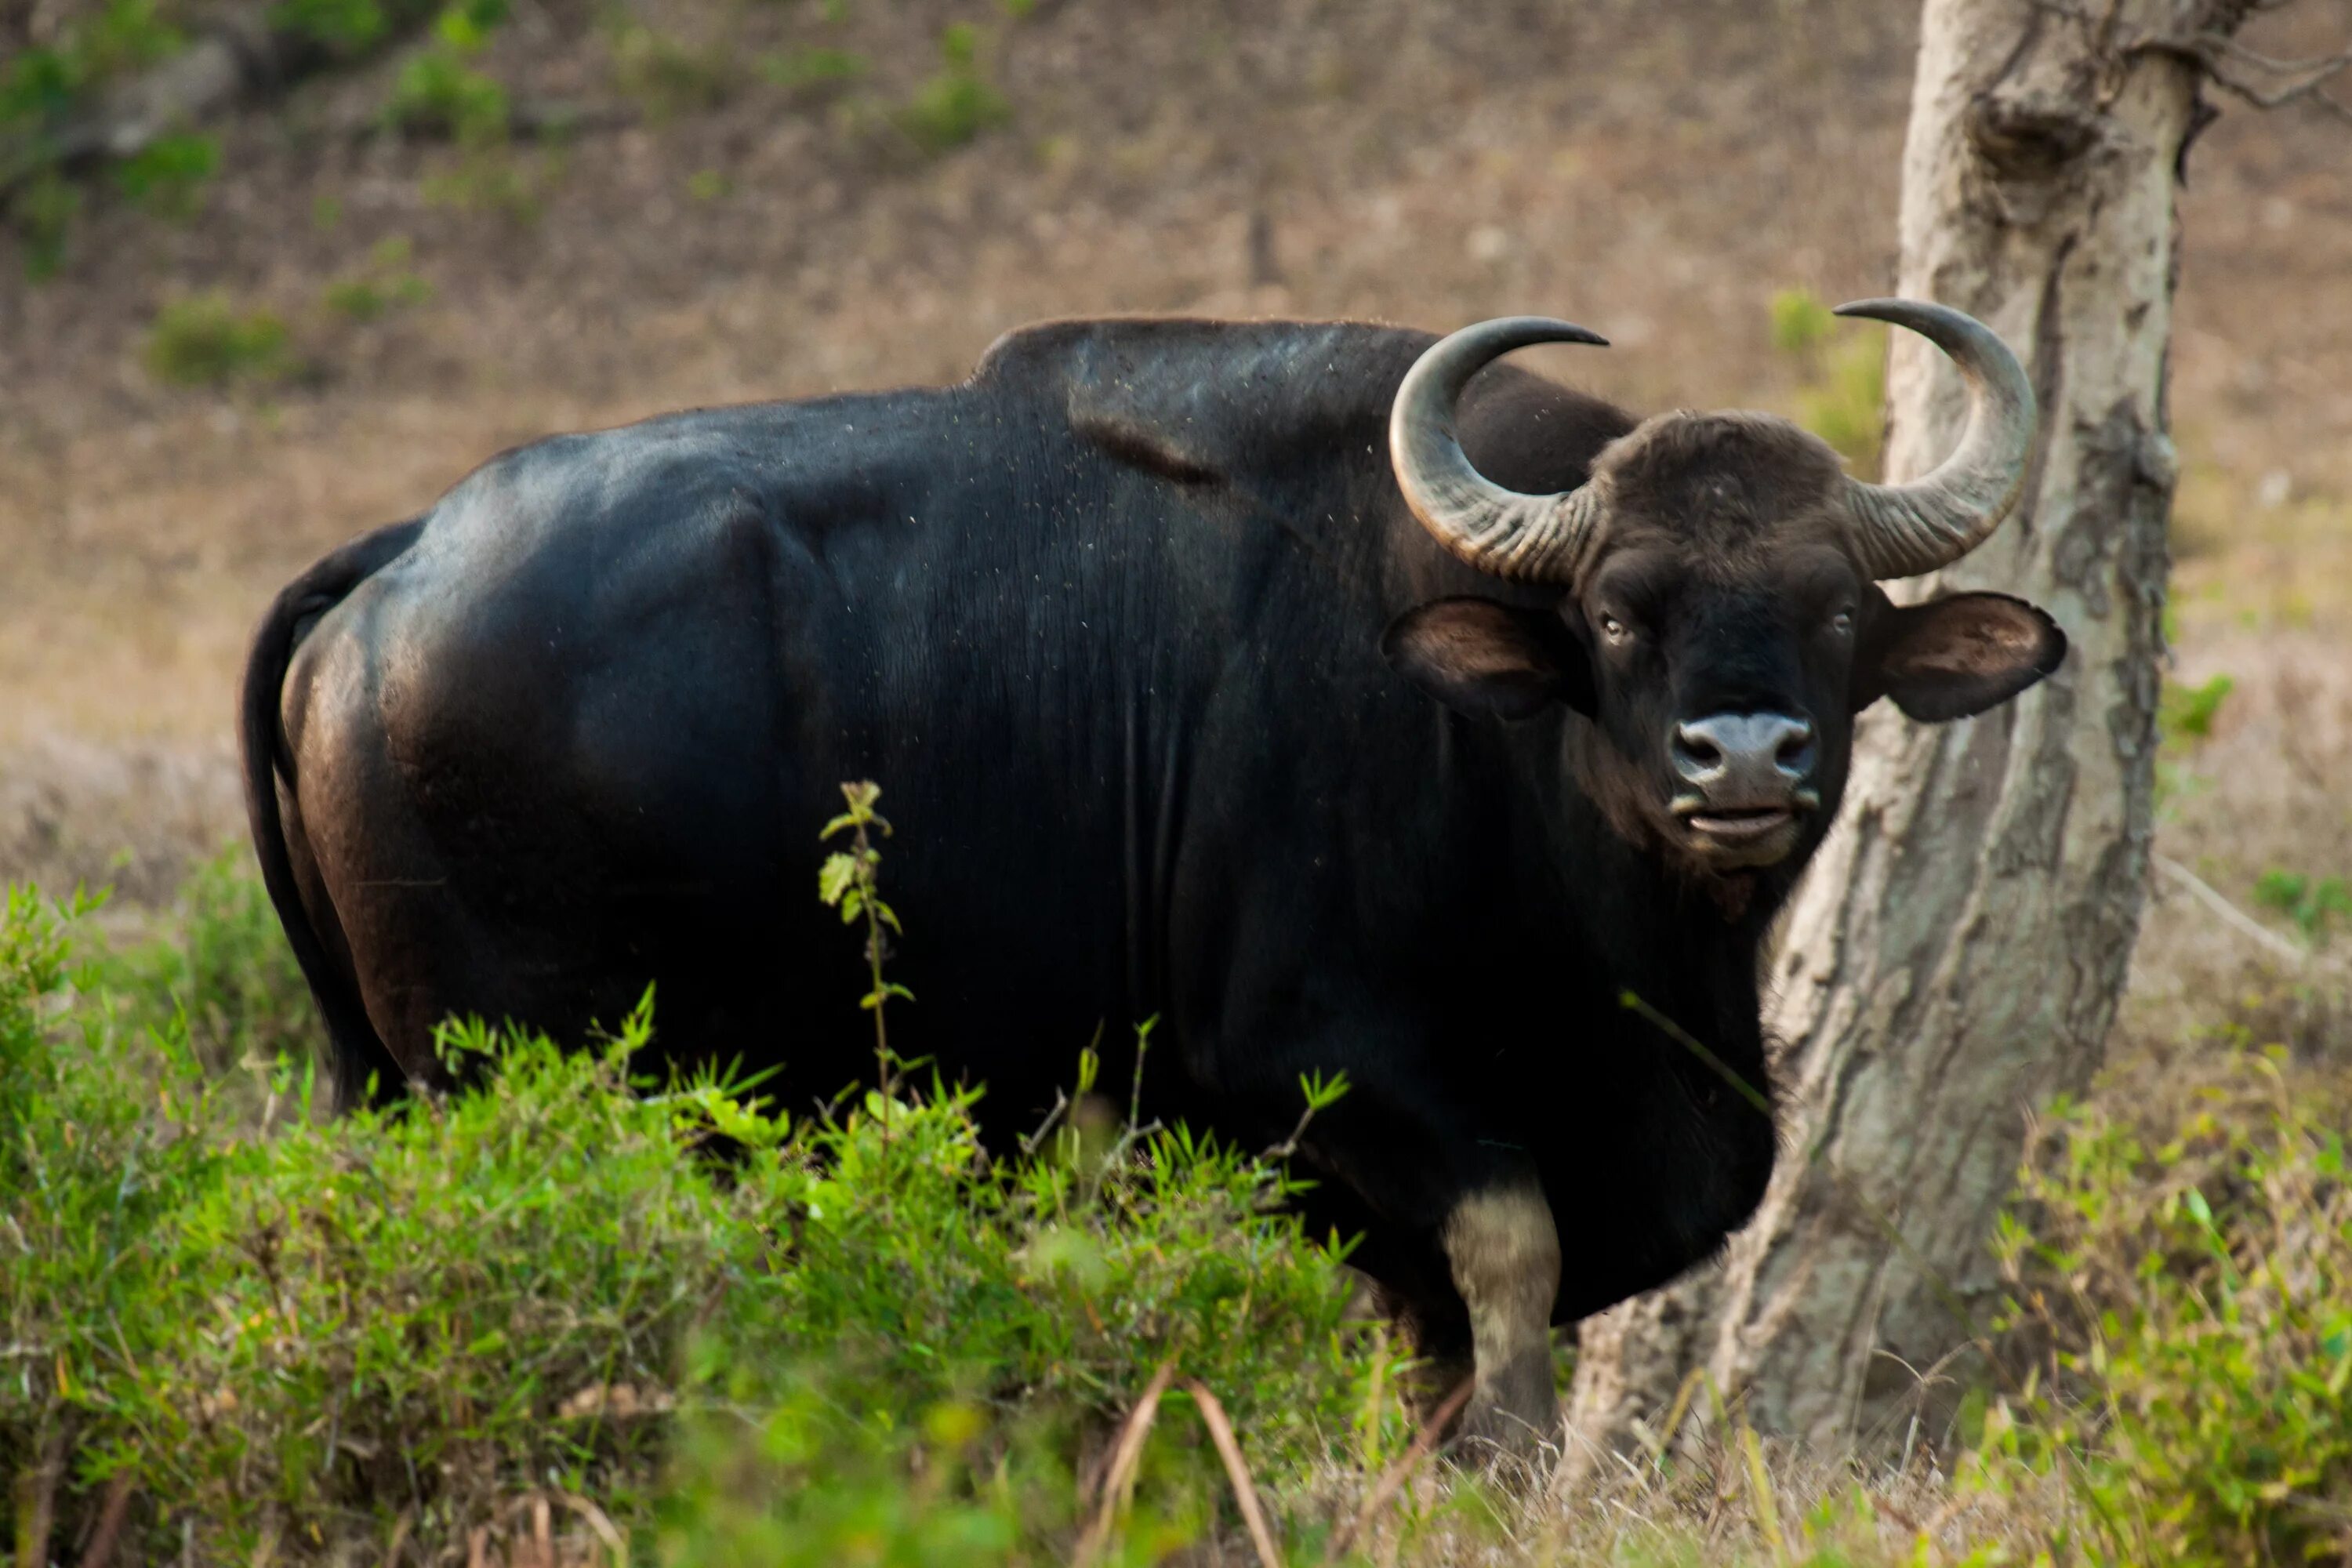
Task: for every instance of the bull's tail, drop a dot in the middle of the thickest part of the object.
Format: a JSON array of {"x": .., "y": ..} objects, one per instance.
[{"x": 360, "y": 1054}]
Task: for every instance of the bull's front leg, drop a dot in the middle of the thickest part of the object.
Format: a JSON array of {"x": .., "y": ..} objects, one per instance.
[{"x": 1503, "y": 1252}]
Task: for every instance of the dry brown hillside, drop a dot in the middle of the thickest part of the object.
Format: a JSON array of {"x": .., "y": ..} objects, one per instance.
[{"x": 721, "y": 232}]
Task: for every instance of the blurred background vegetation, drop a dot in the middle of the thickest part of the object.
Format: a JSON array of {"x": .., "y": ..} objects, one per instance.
[{"x": 425, "y": 231}]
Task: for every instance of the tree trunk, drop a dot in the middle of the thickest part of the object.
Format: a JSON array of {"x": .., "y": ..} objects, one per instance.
[{"x": 1956, "y": 952}]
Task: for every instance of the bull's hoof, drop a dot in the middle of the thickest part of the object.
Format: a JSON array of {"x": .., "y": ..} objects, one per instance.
[{"x": 1513, "y": 1422}]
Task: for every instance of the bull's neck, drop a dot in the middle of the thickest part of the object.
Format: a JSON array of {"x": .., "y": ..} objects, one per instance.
[{"x": 1659, "y": 926}]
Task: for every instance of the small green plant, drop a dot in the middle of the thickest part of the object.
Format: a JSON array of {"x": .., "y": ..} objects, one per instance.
[
  {"x": 2312, "y": 902},
  {"x": 346, "y": 29},
  {"x": 1845, "y": 390},
  {"x": 385, "y": 283},
  {"x": 496, "y": 178},
  {"x": 811, "y": 72},
  {"x": 42, "y": 213},
  {"x": 955, "y": 105},
  {"x": 2184, "y": 720},
  {"x": 666, "y": 78},
  {"x": 1801, "y": 322},
  {"x": 436, "y": 94},
  {"x": 849, "y": 880},
  {"x": 2185, "y": 714},
  {"x": 168, "y": 176},
  {"x": 709, "y": 185},
  {"x": 206, "y": 341}
]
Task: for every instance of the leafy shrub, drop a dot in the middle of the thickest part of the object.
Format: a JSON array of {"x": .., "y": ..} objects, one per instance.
[
  {"x": 2184, "y": 721},
  {"x": 41, "y": 87},
  {"x": 348, "y": 28},
  {"x": 496, "y": 179},
  {"x": 1844, "y": 392},
  {"x": 384, "y": 284},
  {"x": 2191, "y": 1283},
  {"x": 42, "y": 213},
  {"x": 955, "y": 105},
  {"x": 96, "y": 1148},
  {"x": 1801, "y": 322},
  {"x": 436, "y": 94},
  {"x": 812, "y": 71},
  {"x": 168, "y": 175},
  {"x": 2184, "y": 713},
  {"x": 206, "y": 341},
  {"x": 407, "y": 1322},
  {"x": 666, "y": 78},
  {"x": 224, "y": 977},
  {"x": 2310, "y": 902}
]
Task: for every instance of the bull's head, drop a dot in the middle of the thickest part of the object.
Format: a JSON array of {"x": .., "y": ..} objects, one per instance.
[{"x": 1721, "y": 622}]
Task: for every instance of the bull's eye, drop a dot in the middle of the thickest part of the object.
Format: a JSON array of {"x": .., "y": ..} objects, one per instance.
[
  {"x": 1612, "y": 628},
  {"x": 1842, "y": 622}
]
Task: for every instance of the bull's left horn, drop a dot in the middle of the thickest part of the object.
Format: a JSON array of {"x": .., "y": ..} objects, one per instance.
[
  {"x": 1526, "y": 538},
  {"x": 1901, "y": 530}
]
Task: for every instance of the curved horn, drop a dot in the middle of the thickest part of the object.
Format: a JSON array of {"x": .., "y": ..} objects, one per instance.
[
  {"x": 1901, "y": 530},
  {"x": 1526, "y": 538}
]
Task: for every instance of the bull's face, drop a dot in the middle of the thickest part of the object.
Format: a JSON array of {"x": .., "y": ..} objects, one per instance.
[{"x": 1720, "y": 623}]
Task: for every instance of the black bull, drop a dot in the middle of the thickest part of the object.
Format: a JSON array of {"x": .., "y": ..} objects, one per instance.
[{"x": 1108, "y": 622}]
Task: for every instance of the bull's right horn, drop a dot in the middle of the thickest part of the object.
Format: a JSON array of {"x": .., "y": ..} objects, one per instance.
[
  {"x": 1901, "y": 530},
  {"x": 1526, "y": 538}
]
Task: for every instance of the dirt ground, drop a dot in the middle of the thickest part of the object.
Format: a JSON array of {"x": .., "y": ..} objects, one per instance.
[{"x": 1658, "y": 170}]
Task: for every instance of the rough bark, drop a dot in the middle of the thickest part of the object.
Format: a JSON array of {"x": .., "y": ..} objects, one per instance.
[{"x": 1957, "y": 951}]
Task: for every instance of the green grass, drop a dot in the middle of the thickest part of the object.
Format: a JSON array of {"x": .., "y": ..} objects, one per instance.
[{"x": 207, "y": 340}]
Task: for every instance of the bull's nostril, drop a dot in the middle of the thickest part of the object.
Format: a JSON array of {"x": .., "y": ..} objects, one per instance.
[
  {"x": 1795, "y": 751},
  {"x": 1696, "y": 752}
]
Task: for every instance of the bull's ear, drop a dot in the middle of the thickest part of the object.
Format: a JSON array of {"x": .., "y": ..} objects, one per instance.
[
  {"x": 1489, "y": 661},
  {"x": 1953, "y": 656}
]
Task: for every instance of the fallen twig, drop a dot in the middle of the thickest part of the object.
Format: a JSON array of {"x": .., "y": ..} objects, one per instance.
[
  {"x": 1127, "y": 1452},
  {"x": 601, "y": 1523},
  {"x": 1229, "y": 1449},
  {"x": 110, "y": 1517},
  {"x": 2230, "y": 915}
]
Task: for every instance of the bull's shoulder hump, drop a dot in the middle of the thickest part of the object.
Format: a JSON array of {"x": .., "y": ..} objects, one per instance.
[{"x": 1196, "y": 399}]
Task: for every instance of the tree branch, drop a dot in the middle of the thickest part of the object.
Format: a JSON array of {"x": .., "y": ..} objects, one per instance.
[{"x": 2209, "y": 49}]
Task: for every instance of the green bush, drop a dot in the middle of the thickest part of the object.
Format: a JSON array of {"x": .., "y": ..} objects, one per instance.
[
  {"x": 2191, "y": 1284},
  {"x": 666, "y": 78},
  {"x": 659, "y": 1307},
  {"x": 1843, "y": 393},
  {"x": 955, "y": 105},
  {"x": 812, "y": 71},
  {"x": 100, "y": 1144},
  {"x": 224, "y": 976},
  {"x": 168, "y": 175},
  {"x": 41, "y": 87},
  {"x": 383, "y": 285},
  {"x": 206, "y": 341},
  {"x": 2312, "y": 902},
  {"x": 436, "y": 94}
]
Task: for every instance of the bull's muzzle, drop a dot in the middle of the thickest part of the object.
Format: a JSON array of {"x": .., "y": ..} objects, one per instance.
[{"x": 1746, "y": 778}]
